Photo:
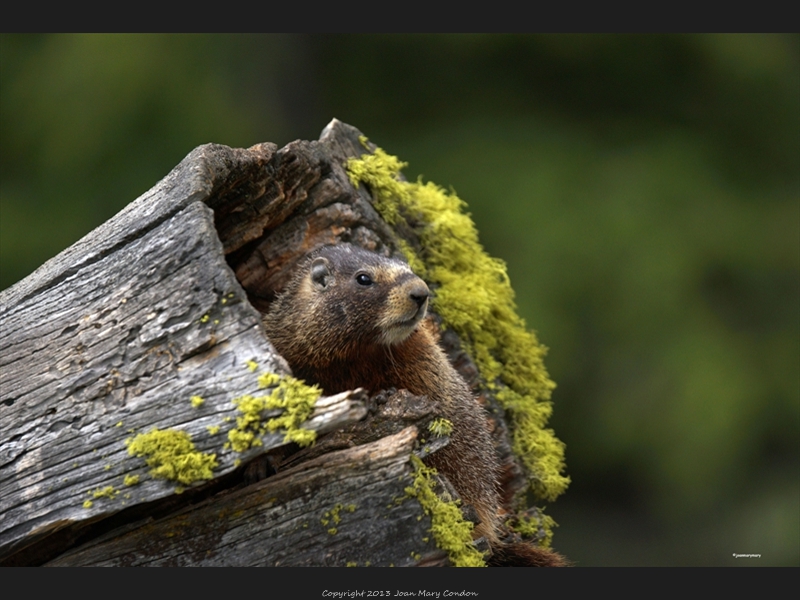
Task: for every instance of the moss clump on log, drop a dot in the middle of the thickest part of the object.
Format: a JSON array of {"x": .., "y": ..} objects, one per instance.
[
  {"x": 171, "y": 454},
  {"x": 293, "y": 396},
  {"x": 451, "y": 532},
  {"x": 474, "y": 297}
]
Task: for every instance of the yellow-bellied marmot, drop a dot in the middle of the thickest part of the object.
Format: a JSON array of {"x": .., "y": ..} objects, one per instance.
[{"x": 351, "y": 318}]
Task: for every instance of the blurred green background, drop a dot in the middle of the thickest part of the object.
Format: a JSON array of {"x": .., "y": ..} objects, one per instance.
[{"x": 644, "y": 191}]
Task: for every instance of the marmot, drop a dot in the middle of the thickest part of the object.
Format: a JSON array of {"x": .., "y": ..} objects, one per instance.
[{"x": 351, "y": 318}]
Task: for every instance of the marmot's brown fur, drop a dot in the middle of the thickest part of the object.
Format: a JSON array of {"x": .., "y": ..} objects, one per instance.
[{"x": 351, "y": 318}]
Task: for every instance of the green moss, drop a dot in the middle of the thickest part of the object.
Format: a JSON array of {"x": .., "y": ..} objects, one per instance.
[
  {"x": 106, "y": 492},
  {"x": 333, "y": 514},
  {"x": 171, "y": 454},
  {"x": 267, "y": 380},
  {"x": 131, "y": 480},
  {"x": 294, "y": 397},
  {"x": 248, "y": 425},
  {"x": 440, "y": 427},
  {"x": 475, "y": 299},
  {"x": 450, "y": 531},
  {"x": 537, "y": 527}
]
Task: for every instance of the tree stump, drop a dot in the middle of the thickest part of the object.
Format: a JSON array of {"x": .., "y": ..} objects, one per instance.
[{"x": 153, "y": 322}]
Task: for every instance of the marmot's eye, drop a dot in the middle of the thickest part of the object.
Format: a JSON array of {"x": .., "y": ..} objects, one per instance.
[{"x": 363, "y": 279}]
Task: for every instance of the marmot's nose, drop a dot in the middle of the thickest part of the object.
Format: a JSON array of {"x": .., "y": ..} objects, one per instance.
[{"x": 419, "y": 293}]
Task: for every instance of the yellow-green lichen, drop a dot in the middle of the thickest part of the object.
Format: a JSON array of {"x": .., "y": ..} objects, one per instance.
[
  {"x": 212, "y": 429},
  {"x": 440, "y": 427},
  {"x": 450, "y": 531},
  {"x": 292, "y": 395},
  {"x": 475, "y": 299},
  {"x": 267, "y": 380},
  {"x": 333, "y": 514},
  {"x": 537, "y": 527},
  {"x": 171, "y": 454},
  {"x": 106, "y": 492},
  {"x": 196, "y": 401},
  {"x": 131, "y": 480},
  {"x": 88, "y": 504},
  {"x": 252, "y": 365}
]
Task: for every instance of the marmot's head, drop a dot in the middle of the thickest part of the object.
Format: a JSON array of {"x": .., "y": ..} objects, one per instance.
[{"x": 341, "y": 301}]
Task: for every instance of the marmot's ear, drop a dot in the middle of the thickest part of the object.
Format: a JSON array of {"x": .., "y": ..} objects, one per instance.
[{"x": 320, "y": 272}]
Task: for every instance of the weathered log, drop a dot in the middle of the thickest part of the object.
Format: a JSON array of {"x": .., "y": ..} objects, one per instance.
[
  {"x": 278, "y": 521},
  {"x": 158, "y": 306}
]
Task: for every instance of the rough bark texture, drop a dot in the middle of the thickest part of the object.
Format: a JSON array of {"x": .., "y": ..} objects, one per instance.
[
  {"x": 113, "y": 336},
  {"x": 280, "y": 521}
]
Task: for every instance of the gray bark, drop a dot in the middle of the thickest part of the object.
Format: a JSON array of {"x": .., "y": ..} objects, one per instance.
[{"x": 342, "y": 508}]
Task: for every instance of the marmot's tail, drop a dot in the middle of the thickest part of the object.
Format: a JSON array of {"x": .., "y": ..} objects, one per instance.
[{"x": 520, "y": 554}]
